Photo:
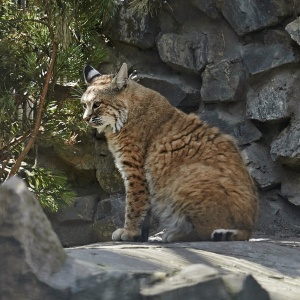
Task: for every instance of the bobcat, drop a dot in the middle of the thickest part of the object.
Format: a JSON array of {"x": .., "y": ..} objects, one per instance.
[{"x": 190, "y": 174}]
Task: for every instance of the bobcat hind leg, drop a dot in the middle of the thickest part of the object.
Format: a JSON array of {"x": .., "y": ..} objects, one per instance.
[{"x": 178, "y": 236}]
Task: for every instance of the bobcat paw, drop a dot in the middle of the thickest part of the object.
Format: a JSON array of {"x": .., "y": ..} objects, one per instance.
[
  {"x": 170, "y": 237},
  {"x": 122, "y": 234}
]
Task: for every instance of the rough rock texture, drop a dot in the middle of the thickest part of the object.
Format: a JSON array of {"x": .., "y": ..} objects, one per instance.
[
  {"x": 183, "y": 51},
  {"x": 28, "y": 250},
  {"x": 270, "y": 101},
  {"x": 293, "y": 29},
  {"x": 222, "y": 82},
  {"x": 132, "y": 30},
  {"x": 261, "y": 58},
  {"x": 246, "y": 16},
  {"x": 290, "y": 187},
  {"x": 200, "y": 265},
  {"x": 35, "y": 266},
  {"x": 235, "y": 63},
  {"x": 110, "y": 214},
  {"x": 242, "y": 129},
  {"x": 264, "y": 171},
  {"x": 196, "y": 280},
  {"x": 74, "y": 225},
  {"x": 286, "y": 147}
]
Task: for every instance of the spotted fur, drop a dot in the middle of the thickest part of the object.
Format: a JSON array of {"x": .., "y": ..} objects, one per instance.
[{"x": 190, "y": 174}]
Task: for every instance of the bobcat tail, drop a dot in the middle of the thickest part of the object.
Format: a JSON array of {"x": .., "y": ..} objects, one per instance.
[{"x": 219, "y": 235}]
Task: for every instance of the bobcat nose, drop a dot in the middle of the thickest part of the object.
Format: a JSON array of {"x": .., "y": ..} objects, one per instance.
[{"x": 86, "y": 119}]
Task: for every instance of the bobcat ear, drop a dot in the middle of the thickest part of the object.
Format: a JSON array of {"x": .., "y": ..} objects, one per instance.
[
  {"x": 120, "y": 80},
  {"x": 90, "y": 74}
]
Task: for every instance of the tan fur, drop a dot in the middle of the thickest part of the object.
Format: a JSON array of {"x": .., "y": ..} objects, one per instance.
[{"x": 191, "y": 175}]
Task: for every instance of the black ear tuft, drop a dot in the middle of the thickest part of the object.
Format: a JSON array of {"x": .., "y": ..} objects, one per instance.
[{"x": 90, "y": 73}]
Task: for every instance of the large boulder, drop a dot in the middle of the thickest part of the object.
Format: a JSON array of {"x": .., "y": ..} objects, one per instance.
[
  {"x": 92, "y": 155},
  {"x": 286, "y": 147},
  {"x": 269, "y": 101},
  {"x": 30, "y": 252},
  {"x": 246, "y": 16},
  {"x": 265, "y": 172},
  {"x": 223, "y": 82},
  {"x": 183, "y": 52},
  {"x": 290, "y": 187},
  {"x": 259, "y": 58},
  {"x": 208, "y": 7},
  {"x": 74, "y": 224},
  {"x": 110, "y": 215},
  {"x": 131, "y": 29},
  {"x": 293, "y": 29},
  {"x": 182, "y": 92},
  {"x": 34, "y": 264},
  {"x": 204, "y": 280},
  {"x": 243, "y": 130}
]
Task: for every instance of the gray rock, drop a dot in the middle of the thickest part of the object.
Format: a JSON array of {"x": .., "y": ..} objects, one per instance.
[
  {"x": 246, "y": 16},
  {"x": 206, "y": 269},
  {"x": 109, "y": 179},
  {"x": 207, "y": 6},
  {"x": 293, "y": 29},
  {"x": 183, "y": 52},
  {"x": 171, "y": 91},
  {"x": 222, "y": 82},
  {"x": 244, "y": 287},
  {"x": 273, "y": 36},
  {"x": 286, "y": 147},
  {"x": 74, "y": 224},
  {"x": 290, "y": 187},
  {"x": 260, "y": 58},
  {"x": 243, "y": 130},
  {"x": 107, "y": 174},
  {"x": 110, "y": 215},
  {"x": 74, "y": 233},
  {"x": 180, "y": 12},
  {"x": 182, "y": 92},
  {"x": 34, "y": 264},
  {"x": 265, "y": 172},
  {"x": 93, "y": 154},
  {"x": 277, "y": 218},
  {"x": 30, "y": 251},
  {"x": 82, "y": 210},
  {"x": 189, "y": 283},
  {"x": 131, "y": 29},
  {"x": 80, "y": 156},
  {"x": 270, "y": 101},
  {"x": 206, "y": 281}
]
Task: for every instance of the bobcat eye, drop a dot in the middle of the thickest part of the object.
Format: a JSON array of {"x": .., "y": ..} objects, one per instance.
[
  {"x": 84, "y": 105},
  {"x": 96, "y": 105}
]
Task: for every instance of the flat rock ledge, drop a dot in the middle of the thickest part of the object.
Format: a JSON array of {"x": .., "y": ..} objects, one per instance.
[
  {"x": 258, "y": 269},
  {"x": 35, "y": 266}
]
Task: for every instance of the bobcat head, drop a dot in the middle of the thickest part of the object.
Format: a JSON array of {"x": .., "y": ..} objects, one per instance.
[{"x": 105, "y": 107}]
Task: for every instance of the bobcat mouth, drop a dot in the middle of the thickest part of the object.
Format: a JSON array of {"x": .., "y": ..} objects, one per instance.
[{"x": 96, "y": 121}]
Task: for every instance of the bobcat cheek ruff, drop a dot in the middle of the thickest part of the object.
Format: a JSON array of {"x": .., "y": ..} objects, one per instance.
[{"x": 189, "y": 174}]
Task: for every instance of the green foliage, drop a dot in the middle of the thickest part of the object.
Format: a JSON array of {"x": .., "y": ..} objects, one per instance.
[
  {"x": 52, "y": 190},
  {"x": 26, "y": 38}
]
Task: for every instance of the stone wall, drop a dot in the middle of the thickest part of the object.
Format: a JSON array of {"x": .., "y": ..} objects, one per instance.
[{"x": 236, "y": 64}]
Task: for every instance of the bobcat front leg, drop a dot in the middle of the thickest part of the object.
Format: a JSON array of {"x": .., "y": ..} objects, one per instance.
[{"x": 137, "y": 201}]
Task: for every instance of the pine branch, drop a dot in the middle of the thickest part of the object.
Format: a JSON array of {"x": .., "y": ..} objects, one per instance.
[
  {"x": 38, "y": 121},
  {"x": 15, "y": 141},
  {"x": 24, "y": 20}
]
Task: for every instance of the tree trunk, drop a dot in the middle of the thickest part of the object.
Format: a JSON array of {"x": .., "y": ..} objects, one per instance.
[{"x": 15, "y": 168}]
